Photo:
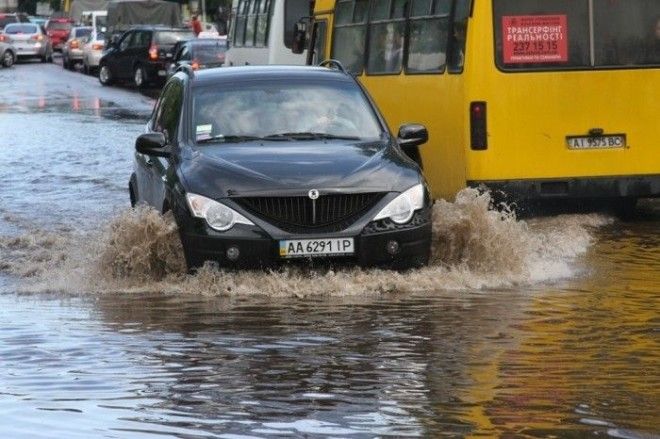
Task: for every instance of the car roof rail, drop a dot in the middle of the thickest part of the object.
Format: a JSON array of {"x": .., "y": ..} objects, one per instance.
[
  {"x": 333, "y": 64},
  {"x": 187, "y": 69}
]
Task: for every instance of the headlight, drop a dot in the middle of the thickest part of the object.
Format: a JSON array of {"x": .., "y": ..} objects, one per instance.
[
  {"x": 217, "y": 215},
  {"x": 401, "y": 209}
]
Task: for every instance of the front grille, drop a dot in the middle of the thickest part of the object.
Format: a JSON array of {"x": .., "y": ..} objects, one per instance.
[{"x": 326, "y": 214}]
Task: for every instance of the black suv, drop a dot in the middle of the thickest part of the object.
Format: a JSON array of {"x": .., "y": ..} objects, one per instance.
[
  {"x": 141, "y": 55},
  {"x": 262, "y": 165}
]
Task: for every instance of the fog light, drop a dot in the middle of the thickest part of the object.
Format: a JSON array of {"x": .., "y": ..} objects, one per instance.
[
  {"x": 233, "y": 253},
  {"x": 392, "y": 247}
]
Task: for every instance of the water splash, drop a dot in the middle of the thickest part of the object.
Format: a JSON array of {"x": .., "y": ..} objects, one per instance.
[{"x": 474, "y": 247}]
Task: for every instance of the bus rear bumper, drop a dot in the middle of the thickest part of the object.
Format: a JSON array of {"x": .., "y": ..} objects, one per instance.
[{"x": 642, "y": 186}]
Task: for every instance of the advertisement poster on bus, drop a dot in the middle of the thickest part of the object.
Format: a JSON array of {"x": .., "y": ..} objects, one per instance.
[{"x": 535, "y": 39}]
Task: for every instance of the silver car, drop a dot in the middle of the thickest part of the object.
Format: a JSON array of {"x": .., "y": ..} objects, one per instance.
[
  {"x": 29, "y": 40},
  {"x": 72, "y": 51},
  {"x": 92, "y": 51},
  {"x": 7, "y": 54}
]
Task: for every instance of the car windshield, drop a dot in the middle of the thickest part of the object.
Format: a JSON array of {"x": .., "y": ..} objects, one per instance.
[
  {"x": 85, "y": 32},
  {"x": 58, "y": 25},
  {"x": 281, "y": 110},
  {"x": 21, "y": 29},
  {"x": 171, "y": 37},
  {"x": 209, "y": 53}
]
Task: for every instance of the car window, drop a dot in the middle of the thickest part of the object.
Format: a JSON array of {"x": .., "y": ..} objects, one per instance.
[
  {"x": 58, "y": 25},
  {"x": 185, "y": 54},
  {"x": 167, "y": 114},
  {"x": 141, "y": 39},
  {"x": 83, "y": 32},
  {"x": 21, "y": 29},
  {"x": 267, "y": 107},
  {"x": 209, "y": 53},
  {"x": 126, "y": 41},
  {"x": 168, "y": 38}
]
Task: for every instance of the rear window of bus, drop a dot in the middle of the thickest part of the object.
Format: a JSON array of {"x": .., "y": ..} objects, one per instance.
[{"x": 567, "y": 34}]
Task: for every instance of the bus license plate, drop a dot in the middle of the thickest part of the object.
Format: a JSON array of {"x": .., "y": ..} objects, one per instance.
[
  {"x": 596, "y": 142},
  {"x": 298, "y": 248}
]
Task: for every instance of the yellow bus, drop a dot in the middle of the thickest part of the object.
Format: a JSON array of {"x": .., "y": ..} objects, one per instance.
[{"x": 537, "y": 98}]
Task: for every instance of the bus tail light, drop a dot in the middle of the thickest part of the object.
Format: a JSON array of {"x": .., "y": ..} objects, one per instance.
[
  {"x": 153, "y": 52},
  {"x": 478, "y": 133}
]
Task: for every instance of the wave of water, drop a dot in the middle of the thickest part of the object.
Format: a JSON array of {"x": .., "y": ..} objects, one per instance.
[{"x": 474, "y": 247}]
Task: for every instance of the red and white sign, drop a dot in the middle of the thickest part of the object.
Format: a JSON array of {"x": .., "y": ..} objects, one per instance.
[{"x": 534, "y": 39}]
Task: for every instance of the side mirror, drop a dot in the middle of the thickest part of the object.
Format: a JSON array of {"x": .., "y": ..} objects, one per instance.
[
  {"x": 299, "y": 36},
  {"x": 152, "y": 144},
  {"x": 412, "y": 134}
]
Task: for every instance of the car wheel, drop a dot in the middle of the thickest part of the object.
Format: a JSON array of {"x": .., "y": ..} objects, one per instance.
[
  {"x": 8, "y": 59},
  {"x": 105, "y": 77},
  {"x": 139, "y": 77}
]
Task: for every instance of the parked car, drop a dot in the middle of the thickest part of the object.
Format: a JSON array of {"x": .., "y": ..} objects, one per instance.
[
  {"x": 92, "y": 52},
  {"x": 6, "y": 18},
  {"x": 199, "y": 54},
  {"x": 262, "y": 165},
  {"x": 7, "y": 54},
  {"x": 58, "y": 30},
  {"x": 142, "y": 55},
  {"x": 29, "y": 40},
  {"x": 72, "y": 52}
]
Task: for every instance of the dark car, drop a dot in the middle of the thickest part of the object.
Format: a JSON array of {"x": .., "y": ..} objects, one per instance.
[
  {"x": 262, "y": 165},
  {"x": 6, "y": 19},
  {"x": 200, "y": 53},
  {"x": 141, "y": 55}
]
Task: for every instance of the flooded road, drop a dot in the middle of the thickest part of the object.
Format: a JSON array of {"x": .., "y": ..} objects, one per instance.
[{"x": 541, "y": 328}]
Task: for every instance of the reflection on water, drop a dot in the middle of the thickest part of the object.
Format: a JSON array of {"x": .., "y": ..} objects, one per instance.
[{"x": 543, "y": 328}]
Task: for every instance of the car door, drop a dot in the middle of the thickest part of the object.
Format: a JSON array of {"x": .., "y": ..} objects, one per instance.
[
  {"x": 139, "y": 51},
  {"x": 116, "y": 59},
  {"x": 167, "y": 122}
]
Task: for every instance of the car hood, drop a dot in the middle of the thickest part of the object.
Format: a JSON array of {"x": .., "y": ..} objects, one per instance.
[{"x": 269, "y": 168}]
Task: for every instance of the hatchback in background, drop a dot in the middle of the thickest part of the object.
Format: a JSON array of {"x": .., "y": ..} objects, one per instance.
[
  {"x": 29, "y": 41},
  {"x": 58, "y": 30},
  {"x": 7, "y": 54},
  {"x": 72, "y": 52},
  {"x": 92, "y": 52},
  {"x": 5, "y": 19},
  {"x": 200, "y": 53},
  {"x": 141, "y": 55}
]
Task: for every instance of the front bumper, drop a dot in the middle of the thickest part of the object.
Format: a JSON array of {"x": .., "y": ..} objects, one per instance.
[
  {"x": 258, "y": 249},
  {"x": 642, "y": 186}
]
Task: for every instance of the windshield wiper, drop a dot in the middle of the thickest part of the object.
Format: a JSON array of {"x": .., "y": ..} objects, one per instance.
[
  {"x": 229, "y": 139},
  {"x": 309, "y": 136}
]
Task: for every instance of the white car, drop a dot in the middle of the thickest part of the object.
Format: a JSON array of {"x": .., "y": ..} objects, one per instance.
[
  {"x": 29, "y": 40},
  {"x": 92, "y": 51},
  {"x": 7, "y": 54},
  {"x": 72, "y": 52}
]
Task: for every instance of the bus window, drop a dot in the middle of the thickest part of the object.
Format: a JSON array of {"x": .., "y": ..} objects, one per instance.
[
  {"x": 349, "y": 34},
  {"x": 239, "y": 31},
  {"x": 427, "y": 39},
  {"x": 320, "y": 29},
  {"x": 386, "y": 32},
  {"x": 616, "y": 42},
  {"x": 251, "y": 23},
  {"x": 294, "y": 10},
  {"x": 458, "y": 36},
  {"x": 263, "y": 18},
  {"x": 541, "y": 35}
]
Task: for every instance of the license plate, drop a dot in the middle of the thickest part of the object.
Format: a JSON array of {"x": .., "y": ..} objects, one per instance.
[
  {"x": 596, "y": 142},
  {"x": 297, "y": 248},
  {"x": 162, "y": 73}
]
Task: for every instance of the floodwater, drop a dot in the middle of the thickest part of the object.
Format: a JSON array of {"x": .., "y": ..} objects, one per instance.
[{"x": 547, "y": 327}]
